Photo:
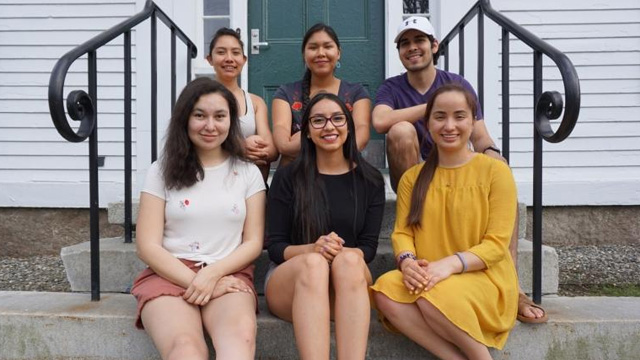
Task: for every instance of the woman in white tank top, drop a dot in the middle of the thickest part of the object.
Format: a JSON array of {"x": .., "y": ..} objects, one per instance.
[{"x": 226, "y": 56}]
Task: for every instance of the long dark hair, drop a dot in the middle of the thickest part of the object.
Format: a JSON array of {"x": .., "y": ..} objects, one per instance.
[
  {"x": 311, "y": 217},
  {"x": 421, "y": 186},
  {"x": 181, "y": 166},
  {"x": 306, "y": 79}
]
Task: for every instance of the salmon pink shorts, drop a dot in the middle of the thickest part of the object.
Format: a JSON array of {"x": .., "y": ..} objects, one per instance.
[{"x": 149, "y": 285}]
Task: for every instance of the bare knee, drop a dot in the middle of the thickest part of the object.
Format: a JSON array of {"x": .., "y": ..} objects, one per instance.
[
  {"x": 402, "y": 138},
  {"x": 313, "y": 274},
  {"x": 239, "y": 336},
  {"x": 188, "y": 346},
  {"x": 347, "y": 271}
]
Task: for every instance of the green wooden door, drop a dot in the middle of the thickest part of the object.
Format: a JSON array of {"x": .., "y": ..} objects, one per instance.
[{"x": 282, "y": 24}]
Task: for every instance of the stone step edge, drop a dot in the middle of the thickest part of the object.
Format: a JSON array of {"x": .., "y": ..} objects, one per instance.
[
  {"x": 584, "y": 327},
  {"x": 119, "y": 265}
]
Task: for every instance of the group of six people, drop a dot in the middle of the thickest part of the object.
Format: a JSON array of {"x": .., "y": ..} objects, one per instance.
[{"x": 203, "y": 206}]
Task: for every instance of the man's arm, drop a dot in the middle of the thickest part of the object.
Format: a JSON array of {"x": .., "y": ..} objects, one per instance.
[
  {"x": 384, "y": 117},
  {"x": 481, "y": 140}
]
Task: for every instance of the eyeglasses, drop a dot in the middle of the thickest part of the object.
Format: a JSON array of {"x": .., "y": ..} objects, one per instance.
[{"x": 319, "y": 121}]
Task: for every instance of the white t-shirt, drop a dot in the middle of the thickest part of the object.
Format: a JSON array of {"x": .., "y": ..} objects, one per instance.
[{"x": 204, "y": 222}]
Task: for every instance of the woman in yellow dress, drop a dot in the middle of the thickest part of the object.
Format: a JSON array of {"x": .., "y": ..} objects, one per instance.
[{"x": 456, "y": 290}]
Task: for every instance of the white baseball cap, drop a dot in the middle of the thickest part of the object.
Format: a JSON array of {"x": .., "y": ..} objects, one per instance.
[{"x": 419, "y": 23}]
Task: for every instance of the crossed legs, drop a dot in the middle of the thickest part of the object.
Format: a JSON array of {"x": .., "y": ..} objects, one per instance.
[
  {"x": 299, "y": 291},
  {"x": 429, "y": 328}
]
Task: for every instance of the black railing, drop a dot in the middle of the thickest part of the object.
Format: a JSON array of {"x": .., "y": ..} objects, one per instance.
[
  {"x": 547, "y": 106},
  {"x": 83, "y": 107}
]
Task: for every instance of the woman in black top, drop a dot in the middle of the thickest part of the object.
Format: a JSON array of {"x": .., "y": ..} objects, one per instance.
[{"x": 325, "y": 211}]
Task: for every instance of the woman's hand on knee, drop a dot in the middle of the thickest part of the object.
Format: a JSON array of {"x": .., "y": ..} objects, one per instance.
[
  {"x": 414, "y": 274},
  {"x": 200, "y": 291},
  {"x": 230, "y": 284}
]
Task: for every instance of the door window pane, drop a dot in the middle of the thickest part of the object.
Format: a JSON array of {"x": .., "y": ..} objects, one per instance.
[
  {"x": 210, "y": 27},
  {"x": 415, "y": 6},
  {"x": 216, "y": 7},
  {"x": 215, "y": 14}
]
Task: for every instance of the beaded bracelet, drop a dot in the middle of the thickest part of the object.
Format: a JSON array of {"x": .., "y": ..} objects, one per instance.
[
  {"x": 404, "y": 256},
  {"x": 463, "y": 261}
]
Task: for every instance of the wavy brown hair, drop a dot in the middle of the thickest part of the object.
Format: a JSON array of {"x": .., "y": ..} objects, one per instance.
[
  {"x": 421, "y": 186},
  {"x": 181, "y": 166}
]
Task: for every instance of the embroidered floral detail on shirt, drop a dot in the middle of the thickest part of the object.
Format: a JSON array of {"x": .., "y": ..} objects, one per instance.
[
  {"x": 194, "y": 246},
  {"x": 184, "y": 203},
  {"x": 235, "y": 209},
  {"x": 297, "y": 105}
]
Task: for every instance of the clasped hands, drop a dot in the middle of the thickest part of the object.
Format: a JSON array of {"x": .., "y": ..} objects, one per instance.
[
  {"x": 329, "y": 246},
  {"x": 421, "y": 275},
  {"x": 206, "y": 286},
  {"x": 256, "y": 149}
]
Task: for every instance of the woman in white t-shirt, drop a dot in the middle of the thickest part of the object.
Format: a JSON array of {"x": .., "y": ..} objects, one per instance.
[
  {"x": 226, "y": 56},
  {"x": 200, "y": 227}
]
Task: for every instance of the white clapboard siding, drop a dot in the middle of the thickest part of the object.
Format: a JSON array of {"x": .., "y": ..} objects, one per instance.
[
  {"x": 19, "y": 106},
  {"x": 36, "y": 120},
  {"x": 35, "y": 161},
  {"x": 587, "y": 114},
  {"x": 56, "y": 148},
  {"x": 585, "y": 72},
  {"x": 74, "y": 80},
  {"x": 602, "y": 39}
]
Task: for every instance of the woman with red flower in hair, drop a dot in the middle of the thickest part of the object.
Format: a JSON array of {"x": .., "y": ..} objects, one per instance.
[{"x": 321, "y": 55}]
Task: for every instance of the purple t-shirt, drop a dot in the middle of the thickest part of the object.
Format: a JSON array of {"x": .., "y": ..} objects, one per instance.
[
  {"x": 348, "y": 92},
  {"x": 397, "y": 93}
]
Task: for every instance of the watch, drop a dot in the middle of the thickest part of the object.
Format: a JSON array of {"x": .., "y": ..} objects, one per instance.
[{"x": 491, "y": 147}]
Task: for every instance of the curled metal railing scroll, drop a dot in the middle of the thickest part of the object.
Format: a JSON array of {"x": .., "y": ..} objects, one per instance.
[
  {"x": 552, "y": 103},
  {"x": 80, "y": 105}
]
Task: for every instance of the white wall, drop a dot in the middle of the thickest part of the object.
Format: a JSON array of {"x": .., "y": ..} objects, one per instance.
[{"x": 38, "y": 167}]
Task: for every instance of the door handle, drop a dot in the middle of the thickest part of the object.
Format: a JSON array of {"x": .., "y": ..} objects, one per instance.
[{"x": 255, "y": 41}]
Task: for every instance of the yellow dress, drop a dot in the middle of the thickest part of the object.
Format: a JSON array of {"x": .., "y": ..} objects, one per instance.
[{"x": 468, "y": 208}]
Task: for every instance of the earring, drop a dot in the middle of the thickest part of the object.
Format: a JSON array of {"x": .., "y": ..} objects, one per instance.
[{"x": 338, "y": 65}]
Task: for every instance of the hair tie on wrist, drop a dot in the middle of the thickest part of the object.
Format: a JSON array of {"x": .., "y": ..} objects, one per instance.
[{"x": 463, "y": 261}]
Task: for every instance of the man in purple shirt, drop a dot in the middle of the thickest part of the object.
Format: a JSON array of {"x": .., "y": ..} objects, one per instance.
[{"x": 401, "y": 102}]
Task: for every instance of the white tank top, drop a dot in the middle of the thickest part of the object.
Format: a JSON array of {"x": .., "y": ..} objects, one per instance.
[{"x": 248, "y": 120}]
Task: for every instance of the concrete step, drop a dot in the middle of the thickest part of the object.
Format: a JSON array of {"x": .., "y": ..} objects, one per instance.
[
  {"x": 119, "y": 265},
  {"x": 37, "y": 325}
]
